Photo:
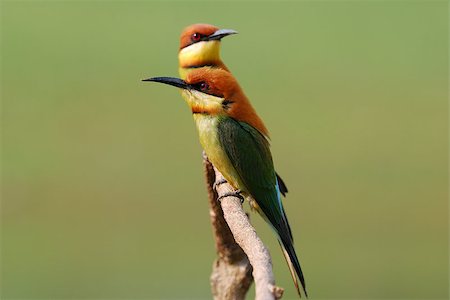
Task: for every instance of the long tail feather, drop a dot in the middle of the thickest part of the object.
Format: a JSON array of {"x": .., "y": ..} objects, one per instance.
[{"x": 294, "y": 265}]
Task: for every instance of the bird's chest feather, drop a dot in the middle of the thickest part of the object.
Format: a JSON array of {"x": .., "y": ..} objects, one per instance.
[{"x": 209, "y": 139}]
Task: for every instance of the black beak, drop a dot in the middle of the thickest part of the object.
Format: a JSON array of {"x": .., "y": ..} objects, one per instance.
[
  {"x": 220, "y": 34},
  {"x": 177, "y": 82}
]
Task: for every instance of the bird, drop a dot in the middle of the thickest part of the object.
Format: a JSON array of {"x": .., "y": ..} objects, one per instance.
[
  {"x": 236, "y": 142},
  {"x": 200, "y": 47}
]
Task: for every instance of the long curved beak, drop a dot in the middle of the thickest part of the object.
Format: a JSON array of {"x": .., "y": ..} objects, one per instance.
[
  {"x": 221, "y": 33},
  {"x": 176, "y": 82}
]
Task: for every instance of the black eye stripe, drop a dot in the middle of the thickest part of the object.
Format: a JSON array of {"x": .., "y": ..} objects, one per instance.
[
  {"x": 195, "y": 37},
  {"x": 198, "y": 37},
  {"x": 197, "y": 87},
  {"x": 200, "y": 86}
]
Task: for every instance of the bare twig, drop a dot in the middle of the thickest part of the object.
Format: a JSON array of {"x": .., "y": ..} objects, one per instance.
[{"x": 233, "y": 232}]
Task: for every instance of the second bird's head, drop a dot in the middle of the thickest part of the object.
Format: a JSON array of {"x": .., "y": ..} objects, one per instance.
[
  {"x": 200, "y": 44},
  {"x": 208, "y": 90},
  {"x": 215, "y": 92}
]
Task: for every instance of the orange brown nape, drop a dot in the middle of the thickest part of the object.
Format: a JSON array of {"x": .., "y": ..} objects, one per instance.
[{"x": 222, "y": 84}]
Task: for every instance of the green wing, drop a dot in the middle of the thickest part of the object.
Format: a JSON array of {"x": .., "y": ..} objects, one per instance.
[{"x": 248, "y": 151}]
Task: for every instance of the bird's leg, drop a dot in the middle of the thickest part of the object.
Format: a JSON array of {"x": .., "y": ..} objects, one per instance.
[
  {"x": 236, "y": 194},
  {"x": 219, "y": 182}
]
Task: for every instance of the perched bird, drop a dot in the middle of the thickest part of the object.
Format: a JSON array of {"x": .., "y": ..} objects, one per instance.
[
  {"x": 200, "y": 47},
  {"x": 235, "y": 140}
]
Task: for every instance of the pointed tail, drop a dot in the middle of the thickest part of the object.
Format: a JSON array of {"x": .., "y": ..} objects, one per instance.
[{"x": 294, "y": 265}]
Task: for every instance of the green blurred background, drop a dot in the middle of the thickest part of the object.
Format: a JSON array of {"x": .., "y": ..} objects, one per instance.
[{"x": 102, "y": 187}]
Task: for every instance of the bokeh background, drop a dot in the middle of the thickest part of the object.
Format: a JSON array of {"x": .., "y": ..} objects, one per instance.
[{"x": 102, "y": 187}]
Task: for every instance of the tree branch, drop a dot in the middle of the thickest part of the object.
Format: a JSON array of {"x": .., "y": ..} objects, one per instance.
[{"x": 234, "y": 235}]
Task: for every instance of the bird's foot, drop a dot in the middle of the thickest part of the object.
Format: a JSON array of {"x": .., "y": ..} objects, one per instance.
[
  {"x": 236, "y": 194},
  {"x": 219, "y": 182}
]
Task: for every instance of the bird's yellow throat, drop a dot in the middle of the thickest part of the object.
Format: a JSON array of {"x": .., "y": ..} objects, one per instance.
[
  {"x": 199, "y": 54},
  {"x": 201, "y": 103}
]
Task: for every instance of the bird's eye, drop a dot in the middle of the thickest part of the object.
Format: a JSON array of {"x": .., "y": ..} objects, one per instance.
[
  {"x": 204, "y": 86},
  {"x": 196, "y": 37}
]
